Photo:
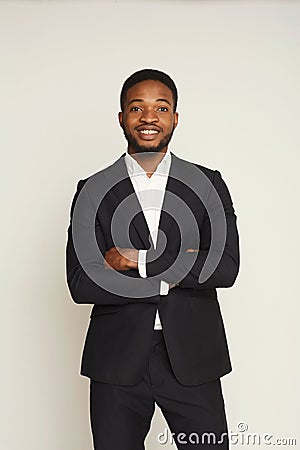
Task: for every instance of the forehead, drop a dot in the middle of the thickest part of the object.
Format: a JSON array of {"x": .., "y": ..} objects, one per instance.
[{"x": 150, "y": 90}]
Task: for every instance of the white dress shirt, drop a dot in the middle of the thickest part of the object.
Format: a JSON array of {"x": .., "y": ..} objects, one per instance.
[{"x": 150, "y": 193}]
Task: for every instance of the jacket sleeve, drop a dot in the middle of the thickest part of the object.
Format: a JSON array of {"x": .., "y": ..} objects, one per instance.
[
  {"x": 83, "y": 288},
  {"x": 185, "y": 268}
]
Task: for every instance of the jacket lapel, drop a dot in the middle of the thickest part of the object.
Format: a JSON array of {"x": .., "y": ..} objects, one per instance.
[
  {"x": 165, "y": 218},
  {"x": 122, "y": 188}
]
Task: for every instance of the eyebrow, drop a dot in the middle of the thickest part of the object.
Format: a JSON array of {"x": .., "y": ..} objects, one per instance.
[{"x": 141, "y": 100}]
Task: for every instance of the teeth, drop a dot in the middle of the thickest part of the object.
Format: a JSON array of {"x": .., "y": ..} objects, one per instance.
[{"x": 148, "y": 131}]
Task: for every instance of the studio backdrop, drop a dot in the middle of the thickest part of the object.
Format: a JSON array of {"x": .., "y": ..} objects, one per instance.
[{"x": 62, "y": 65}]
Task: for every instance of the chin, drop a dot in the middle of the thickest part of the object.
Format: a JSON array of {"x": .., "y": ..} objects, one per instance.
[{"x": 140, "y": 148}]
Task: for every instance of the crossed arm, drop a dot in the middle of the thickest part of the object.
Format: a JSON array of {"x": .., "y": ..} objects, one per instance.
[
  {"x": 183, "y": 271},
  {"x": 118, "y": 258}
]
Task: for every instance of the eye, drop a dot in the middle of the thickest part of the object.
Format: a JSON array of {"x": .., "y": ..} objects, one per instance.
[
  {"x": 163, "y": 109},
  {"x": 135, "y": 108}
]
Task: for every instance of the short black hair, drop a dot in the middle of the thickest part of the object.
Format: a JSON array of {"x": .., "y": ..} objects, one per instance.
[{"x": 148, "y": 74}]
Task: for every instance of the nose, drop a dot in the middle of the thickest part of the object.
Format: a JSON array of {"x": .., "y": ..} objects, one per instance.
[{"x": 149, "y": 116}]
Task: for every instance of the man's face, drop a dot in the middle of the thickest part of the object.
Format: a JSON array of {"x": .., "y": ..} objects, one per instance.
[{"x": 148, "y": 120}]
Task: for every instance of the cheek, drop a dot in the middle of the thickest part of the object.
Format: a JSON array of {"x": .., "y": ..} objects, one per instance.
[
  {"x": 170, "y": 125},
  {"x": 130, "y": 122},
  {"x": 126, "y": 124}
]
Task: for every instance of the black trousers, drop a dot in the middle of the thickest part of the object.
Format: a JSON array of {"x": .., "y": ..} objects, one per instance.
[{"x": 121, "y": 415}]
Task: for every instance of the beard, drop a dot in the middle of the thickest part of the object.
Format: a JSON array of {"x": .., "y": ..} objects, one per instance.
[{"x": 133, "y": 143}]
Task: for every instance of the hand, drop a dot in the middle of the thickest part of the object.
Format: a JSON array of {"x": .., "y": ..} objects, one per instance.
[{"x": 121, "y": 258}]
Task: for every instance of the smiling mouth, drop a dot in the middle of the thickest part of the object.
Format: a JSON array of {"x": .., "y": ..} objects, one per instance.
[{"x": 148, "y": 132}]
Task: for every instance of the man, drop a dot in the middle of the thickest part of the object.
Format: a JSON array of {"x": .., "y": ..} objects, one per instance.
[{"x": 151, "y": 238}]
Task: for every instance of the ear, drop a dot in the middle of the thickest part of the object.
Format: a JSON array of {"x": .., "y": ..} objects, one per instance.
[
  {"x": 120, "y": 117},
  {"x": 176, "y": 119}
]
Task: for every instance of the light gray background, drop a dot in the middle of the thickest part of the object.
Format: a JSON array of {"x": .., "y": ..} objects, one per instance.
[{"x": 236, "y": 65}]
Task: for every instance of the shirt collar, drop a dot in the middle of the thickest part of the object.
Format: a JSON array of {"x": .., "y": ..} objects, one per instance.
[{"x": 133, "y": 167}]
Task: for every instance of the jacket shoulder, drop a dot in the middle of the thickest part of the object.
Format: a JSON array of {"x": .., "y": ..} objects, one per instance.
[
  {"x": 210, "y": 173},
  {"x": 102, "y": 172}
]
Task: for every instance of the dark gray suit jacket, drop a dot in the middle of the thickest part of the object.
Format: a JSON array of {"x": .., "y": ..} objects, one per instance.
[{"x": 197, "y": 213}]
